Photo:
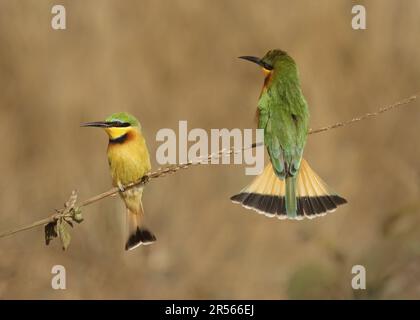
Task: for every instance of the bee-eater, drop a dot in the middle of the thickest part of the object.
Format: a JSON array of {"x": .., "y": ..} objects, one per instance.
[
  {"x": 129, "y": 161},
  {"x": 288, "y": 187}
]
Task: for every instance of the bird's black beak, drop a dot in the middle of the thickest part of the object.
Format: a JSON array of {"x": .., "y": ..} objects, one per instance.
[
  {"x": 257, "y": 61},
  {"x": 98, "y": 124}
]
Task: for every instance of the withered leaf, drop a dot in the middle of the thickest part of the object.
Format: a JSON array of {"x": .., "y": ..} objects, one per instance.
[
  {"x": 72, "y": 200},
  {"x": 50, "y": 232},
  {"x": 64, "y": 234}
]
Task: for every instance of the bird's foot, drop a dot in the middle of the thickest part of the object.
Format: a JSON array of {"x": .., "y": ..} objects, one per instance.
[
  {"x": 145, "y": 179},
  {"x": 120, "y": 187}
]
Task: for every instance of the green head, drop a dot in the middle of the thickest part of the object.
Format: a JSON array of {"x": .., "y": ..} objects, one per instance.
[
  {"x": 123, "y": 117},
  {"x": 274, "y": 61},
  {"x": 117, "y": 124},
  {"x": 116, "y": 120}
]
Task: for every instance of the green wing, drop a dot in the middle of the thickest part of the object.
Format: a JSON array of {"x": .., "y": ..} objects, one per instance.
[{"x": 285, "y": 122}]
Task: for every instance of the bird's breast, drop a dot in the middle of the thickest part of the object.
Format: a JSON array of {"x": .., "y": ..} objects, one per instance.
[{"x": 128, "y": 162}]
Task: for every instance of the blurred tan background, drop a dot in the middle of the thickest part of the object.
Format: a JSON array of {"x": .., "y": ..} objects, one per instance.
[{"x": 166, "y": 61}]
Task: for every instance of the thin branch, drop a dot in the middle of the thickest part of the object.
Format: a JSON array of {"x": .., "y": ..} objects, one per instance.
[
  {"x": 367, "y": 115},
  {"x": 161, "y": 172}
]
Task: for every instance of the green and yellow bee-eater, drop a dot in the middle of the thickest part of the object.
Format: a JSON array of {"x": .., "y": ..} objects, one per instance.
[
  {"x": 288, "y": 187},
  {"x": 129, "y": 161}
]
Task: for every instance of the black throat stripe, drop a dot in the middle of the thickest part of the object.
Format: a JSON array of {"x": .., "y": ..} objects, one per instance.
[{"x": 121, "y": 139}]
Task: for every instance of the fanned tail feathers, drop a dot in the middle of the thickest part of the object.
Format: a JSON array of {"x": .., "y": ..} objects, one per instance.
[{"x": 266, "y": 195}]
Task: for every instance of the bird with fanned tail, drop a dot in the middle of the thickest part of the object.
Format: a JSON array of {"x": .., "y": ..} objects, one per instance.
[{"x": 288, "y": 187}]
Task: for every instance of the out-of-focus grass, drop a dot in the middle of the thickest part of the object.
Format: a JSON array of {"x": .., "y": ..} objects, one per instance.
[{"x": 391, "y": 264}]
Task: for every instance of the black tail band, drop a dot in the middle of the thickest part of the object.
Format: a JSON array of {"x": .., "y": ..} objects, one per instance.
[
  {"x": 275, "y": 205},
  {"x": 140, "y": 237}
]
